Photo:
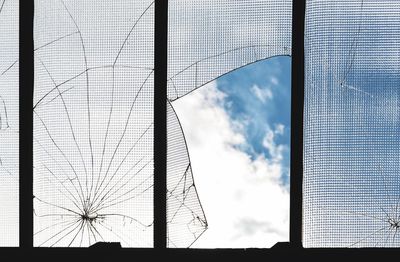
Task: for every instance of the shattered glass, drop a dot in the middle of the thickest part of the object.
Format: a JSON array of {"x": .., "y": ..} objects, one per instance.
[{"x": 93, "y": 123}]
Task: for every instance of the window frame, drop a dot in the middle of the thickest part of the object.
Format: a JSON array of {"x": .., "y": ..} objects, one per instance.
[{"x": 291, "y": 249}]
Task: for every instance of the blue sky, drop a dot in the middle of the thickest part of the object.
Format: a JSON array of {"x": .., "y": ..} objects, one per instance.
[{"x": 258, "y": 96}]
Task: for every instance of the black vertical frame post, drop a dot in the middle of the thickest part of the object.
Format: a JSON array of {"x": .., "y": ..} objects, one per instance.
[
  {"x": 26, "y": 8},
  {"x": 296, "y": 136},
  {"x": 160, "y": 124}
]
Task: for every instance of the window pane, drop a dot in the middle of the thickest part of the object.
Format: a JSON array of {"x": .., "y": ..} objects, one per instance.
[
  {"x": 352, "y": 123},
  {"x": 207, "y": 39},
  {"x": 93, "y": 123},
  {"x": 9, "y": 123}
]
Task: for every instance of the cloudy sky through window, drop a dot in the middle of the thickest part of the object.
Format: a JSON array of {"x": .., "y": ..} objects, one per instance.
[{"x": 238, "y": 135}]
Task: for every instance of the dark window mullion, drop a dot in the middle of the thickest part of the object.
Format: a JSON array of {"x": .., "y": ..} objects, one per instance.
[
  {"x": 26, "y": 123},
  {"x": 296, "y": 136},
  {"x": 160, "y": 124}
]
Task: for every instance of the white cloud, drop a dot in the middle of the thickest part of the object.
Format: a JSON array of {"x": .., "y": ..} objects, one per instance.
[
  {"x": 263, "y": 94},
  {"x": 274, "y": 80},
  {"x": 244, "y": 201},
  {"x": 276, "y": 151},
  {"x": 279, "y": 129}
]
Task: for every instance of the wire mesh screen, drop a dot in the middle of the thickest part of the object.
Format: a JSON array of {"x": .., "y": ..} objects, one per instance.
[
  {"x": 9, "y": 122},
  {"x": 207, "y": 38},
  {"x": 352, "y": 123},
  {"x": 93, "y": 123}
]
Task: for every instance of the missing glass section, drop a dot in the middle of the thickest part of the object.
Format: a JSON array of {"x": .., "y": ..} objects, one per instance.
[{"x": 238, "y": 134}]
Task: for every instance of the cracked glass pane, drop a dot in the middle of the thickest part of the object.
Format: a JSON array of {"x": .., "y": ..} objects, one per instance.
[
  {"x": 93, "y": 123},
  {"x": 352, "y": 123},
  {"x": 9, "y": 122}
]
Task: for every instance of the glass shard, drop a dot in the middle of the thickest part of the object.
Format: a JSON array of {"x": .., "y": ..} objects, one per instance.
[
  {"x": 209, "y": 38},
  {"x": 185, "y": 216}
]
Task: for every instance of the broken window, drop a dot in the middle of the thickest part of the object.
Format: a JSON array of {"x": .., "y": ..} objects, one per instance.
[
  {"x": 93, "y": 115},
  {"x": 206, "y": 40},
  {"x": 93, "y": 110}
]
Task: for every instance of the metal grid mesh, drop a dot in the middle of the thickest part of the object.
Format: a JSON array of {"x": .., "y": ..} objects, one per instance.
[
  {"x": 93, "y": 123},
  {"x": 9, "y": 122},
  {"x": 209, "y": 38},
  {"x": 352, "y": 123}
]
